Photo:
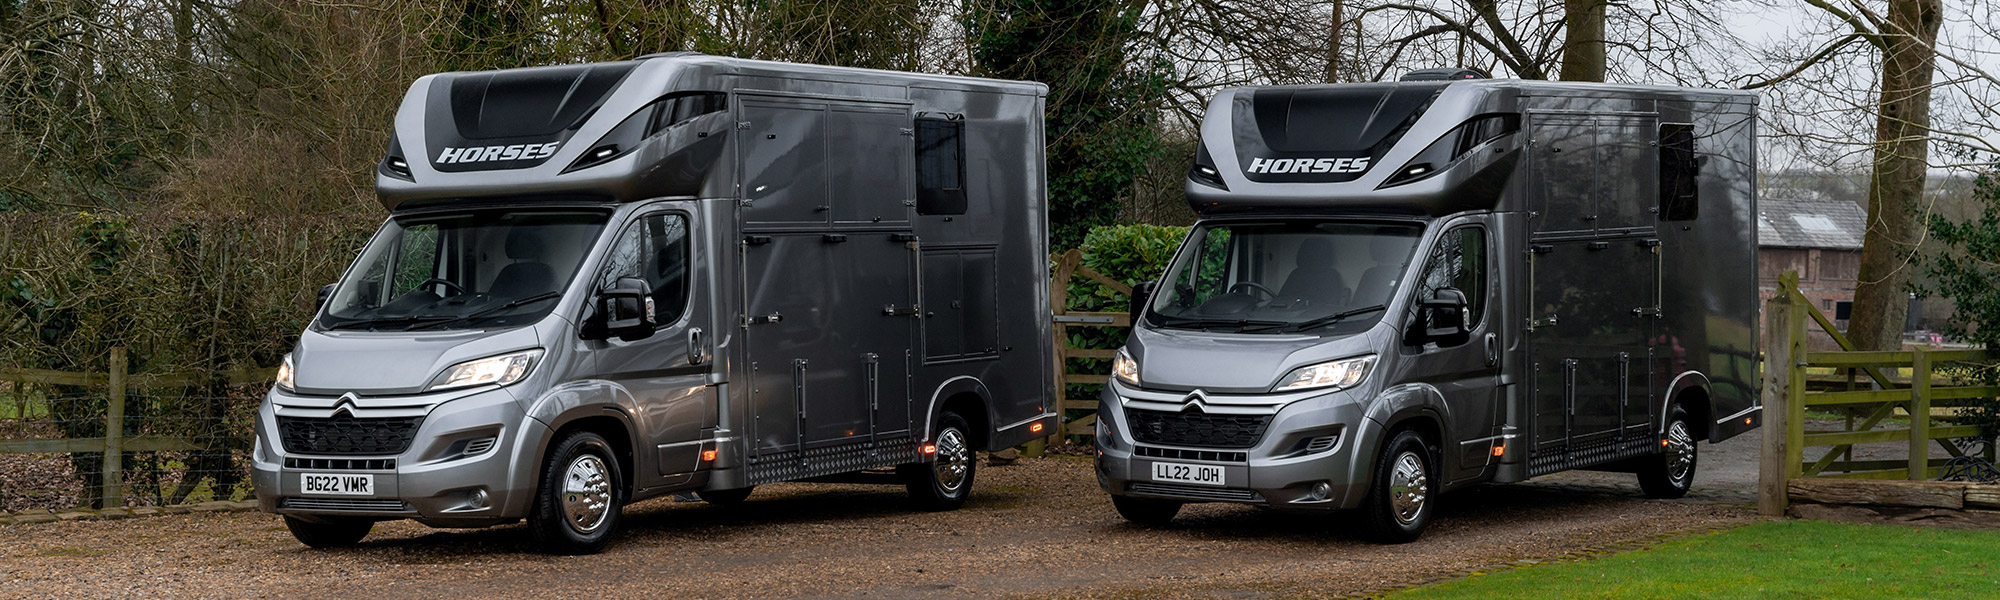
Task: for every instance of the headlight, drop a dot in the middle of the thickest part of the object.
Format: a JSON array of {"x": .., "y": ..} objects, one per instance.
[
  {"x": 1125, "y": 369},
  {"x": 285, "y": 373},
  {"x": 1340, "y": 374},
  {"x": 498, "y": 370}
]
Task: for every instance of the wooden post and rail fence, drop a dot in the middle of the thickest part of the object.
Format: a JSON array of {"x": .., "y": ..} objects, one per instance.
[
  {"x": 1868, "y": 406},
  {"x": 118, "y": 382},
  {"x": 1068, "y": 266}
]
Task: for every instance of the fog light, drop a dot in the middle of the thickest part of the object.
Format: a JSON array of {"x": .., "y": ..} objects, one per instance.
[
  {"x": 477, "y": 499},
  {"x": 1035, "y": 428},
  {"x": 1320, "y": 491}
]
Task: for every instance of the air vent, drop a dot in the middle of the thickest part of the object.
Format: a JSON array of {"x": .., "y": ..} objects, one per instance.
[
  {"x": 1322, "y": 443},
  {"x": 341, "y": 464},
  {"x": 478, "y": 446}
]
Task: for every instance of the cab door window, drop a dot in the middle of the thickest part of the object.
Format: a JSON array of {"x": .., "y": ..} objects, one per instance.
[
  {"x": 654, "y": 249},
  {"x": 1458, "y": 262}
]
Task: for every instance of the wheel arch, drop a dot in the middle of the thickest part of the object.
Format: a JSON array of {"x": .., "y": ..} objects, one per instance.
[
  {"x": 970, "y": 398},
  {"x": 1689, "y": 390}
]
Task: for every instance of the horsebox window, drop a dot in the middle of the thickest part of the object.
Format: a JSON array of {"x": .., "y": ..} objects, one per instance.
[
  {"x": 1679, "y": 194},
  {"x": 940, "y": 164}
]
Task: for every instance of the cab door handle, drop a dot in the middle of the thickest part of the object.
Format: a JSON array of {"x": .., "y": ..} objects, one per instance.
[
  {"x": 697, "y": 350},
  {"x": 1492, "y": 349}
]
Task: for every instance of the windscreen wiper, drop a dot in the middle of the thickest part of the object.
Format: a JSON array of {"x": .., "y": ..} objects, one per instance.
[
  {"x": 1326, "y": 320},
  {"x": 1208, "y": 323},
  {"x": 372, "y": 324},
  {"x": 486, "y": 311}
]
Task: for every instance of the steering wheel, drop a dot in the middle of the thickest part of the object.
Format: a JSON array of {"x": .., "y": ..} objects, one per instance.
[
  {"x": 455, "y": 288},
  {"x": 1254, "y": 286}
]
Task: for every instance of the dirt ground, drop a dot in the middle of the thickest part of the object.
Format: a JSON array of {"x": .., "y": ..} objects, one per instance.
[{"x": 1038, "y": 528}]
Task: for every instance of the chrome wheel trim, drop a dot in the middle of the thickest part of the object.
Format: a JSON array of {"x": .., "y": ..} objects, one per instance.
[
  {"x": 954, "y": 460},
  {"x": 1680, "y": 453},
  {"x": 586, "y": 494},
  {"x": 1409, "y": 487}
]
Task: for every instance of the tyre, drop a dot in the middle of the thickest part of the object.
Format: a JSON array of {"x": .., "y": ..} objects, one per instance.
[
  {"x": 1146, "y": 511},
  {"x": 1671, "y": 473},
  {"x": 578, "y": 502},
  {"x": 725, "y": 497},
  {"x": 944, "y": 481},
  {"x": 1403, "y": 494},
  {"x": 329, "y": 532}
]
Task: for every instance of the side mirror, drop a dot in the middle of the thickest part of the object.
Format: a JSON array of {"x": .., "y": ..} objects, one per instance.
[
  {"x": 1444, "y": 319},
  {"x": 627, "y": 309},
  {"x": 326, "y": 293},
  {"x": 1142, "y": 295}
]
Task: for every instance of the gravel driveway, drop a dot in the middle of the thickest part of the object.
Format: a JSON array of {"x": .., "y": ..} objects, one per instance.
[{"x": 1039, "y": 528}]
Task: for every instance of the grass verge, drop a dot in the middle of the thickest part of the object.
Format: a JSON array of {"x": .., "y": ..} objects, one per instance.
[{"x": 1784, "y": 559}]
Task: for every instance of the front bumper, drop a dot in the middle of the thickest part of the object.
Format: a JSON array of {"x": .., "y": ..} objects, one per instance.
[
  {"x": 435, "y": 480},
  {"x": 1282, "y": 469}
]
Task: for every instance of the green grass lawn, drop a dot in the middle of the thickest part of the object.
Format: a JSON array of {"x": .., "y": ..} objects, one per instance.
[{"x": 1786, "y": 559}]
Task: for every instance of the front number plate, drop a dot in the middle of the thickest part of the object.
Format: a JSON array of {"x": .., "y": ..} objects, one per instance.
[
  {"x": 1195, "y": 474},
  {"x": 337, "y": 485}
]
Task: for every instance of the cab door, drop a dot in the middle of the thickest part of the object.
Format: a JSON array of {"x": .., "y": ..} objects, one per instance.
[
  {"x": 666, "y": 374},
  {"x": 1467, "y": 374}
]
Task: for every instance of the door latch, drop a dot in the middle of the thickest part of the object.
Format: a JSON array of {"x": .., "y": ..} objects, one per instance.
[
  {"x": 761, "y": 319},
  {"x": 1646, "y": 311},
  {"x": 901, "y": 311}
]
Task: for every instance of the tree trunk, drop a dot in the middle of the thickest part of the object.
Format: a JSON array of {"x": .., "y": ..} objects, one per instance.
[
  {"x": 1332, "y": 44},
  {"x": 1896, "y": 188},
  {"x": 1583, "y": 40}
]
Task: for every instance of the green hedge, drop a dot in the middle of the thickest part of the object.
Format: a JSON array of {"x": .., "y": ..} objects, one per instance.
[{"x": 1127, "y": 253}]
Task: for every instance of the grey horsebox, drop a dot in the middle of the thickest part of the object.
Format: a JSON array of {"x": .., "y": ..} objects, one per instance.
[
  {"x": 1398, "y": 289},
  {"x": 606, "y": 282}
]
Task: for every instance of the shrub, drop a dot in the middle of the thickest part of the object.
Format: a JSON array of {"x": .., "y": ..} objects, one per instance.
[{"x": 1967, "y": 270}]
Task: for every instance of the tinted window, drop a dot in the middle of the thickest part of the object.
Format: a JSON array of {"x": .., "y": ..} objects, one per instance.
[
  {"x": 940, "y": 166},
  {"x": 1324, "y": 277},
  {"x": 1679, "y": 194},
  {"x": 463, "y": 270}
]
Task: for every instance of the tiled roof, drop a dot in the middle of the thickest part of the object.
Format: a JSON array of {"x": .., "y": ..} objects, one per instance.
[{"x": 1793, "y": 218}]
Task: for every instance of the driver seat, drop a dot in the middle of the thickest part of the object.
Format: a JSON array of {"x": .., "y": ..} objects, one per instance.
[{"x": 1313, "y": 278}]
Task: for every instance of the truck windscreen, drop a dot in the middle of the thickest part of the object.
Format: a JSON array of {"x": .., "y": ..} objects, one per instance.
[
  {"x": 1332, "y": 278},
  {"x": 475, "y": 269}
]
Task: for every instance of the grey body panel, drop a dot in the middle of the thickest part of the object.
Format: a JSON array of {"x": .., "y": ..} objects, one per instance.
[
  {"x": 1601, "y": 317},
  {"x": 802, "y": 349}
]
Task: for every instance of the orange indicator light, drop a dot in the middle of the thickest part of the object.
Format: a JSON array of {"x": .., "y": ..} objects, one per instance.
[
  {"x": 1663, "y": 443},
  {"x": 1499, "y": 449},
  {"x": 930, "y": 448},
  {"x": 708, "y": 455},
  {"x": 1746, "y": 420},
  {"x": 1035, "y": 428}
]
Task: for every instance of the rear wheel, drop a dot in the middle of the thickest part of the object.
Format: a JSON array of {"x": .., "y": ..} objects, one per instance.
[
  {"x": 1402, "y": 497},
  {"x": 944, "y": 482},
  {"x": 725, "y": 497},
  {"x": 1146, "y": 511},
  {"x": 577, "y": 504},
  {"x": 1671, "y": 474},
  {"x": 329, "y": 532}
]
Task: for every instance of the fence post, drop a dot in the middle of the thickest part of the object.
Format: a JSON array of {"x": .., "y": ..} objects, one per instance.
[
  {"x": 1920, "y": 416},
  {"x": 114, "y": 432},
  {"x": 1795, "y": 386},
  {"x": 1773, "y": 468}
]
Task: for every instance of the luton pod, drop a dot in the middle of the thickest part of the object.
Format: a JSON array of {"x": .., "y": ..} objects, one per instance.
[
  {"x": 603, "y": 283},
  {"x": 1398, "y": 289}
]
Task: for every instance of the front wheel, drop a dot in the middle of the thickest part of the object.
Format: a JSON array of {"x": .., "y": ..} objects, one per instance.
[
  {"x": 944, "y": 482},
  {"x": 1401, "y": 498},
  {"x": 577, "y": 504},
  {"x": 329, "y": 532},
  {"x": 1671, "y": 474}
]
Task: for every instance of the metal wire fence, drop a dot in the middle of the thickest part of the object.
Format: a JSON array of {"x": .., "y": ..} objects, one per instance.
[{"x": 174, "y": 445}]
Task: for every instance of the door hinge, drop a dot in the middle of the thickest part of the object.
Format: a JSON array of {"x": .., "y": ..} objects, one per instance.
[
  {"x": 1646, "y": 311},
  {"x": 902, "y": 311}
]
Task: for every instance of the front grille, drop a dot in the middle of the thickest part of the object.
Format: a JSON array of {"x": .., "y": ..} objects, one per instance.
[
  {"x": 342, "y": 464},
  {"x": 344, "y": 434},
  {"x": 1192, "y": 427},
  {"x": 1194, "y": 491},
  {"x": 1208, "y": 455},
  {"x": 344, "y": 504}
]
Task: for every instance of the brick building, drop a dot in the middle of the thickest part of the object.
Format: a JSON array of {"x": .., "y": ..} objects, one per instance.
[{"x": 1801, "y": 230}]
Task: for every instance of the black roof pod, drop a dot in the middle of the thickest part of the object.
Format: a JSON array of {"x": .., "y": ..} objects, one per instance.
[{"x": 1444, "y": 74}]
